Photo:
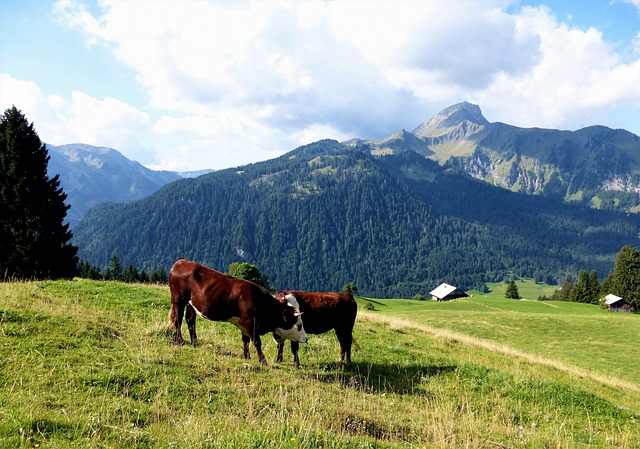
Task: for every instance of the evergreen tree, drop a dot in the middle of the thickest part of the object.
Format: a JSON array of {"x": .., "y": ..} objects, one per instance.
[
  {"x": 144, "y": 276},
  {"x": 512, "y": 291},
  {"x": 88, "y": 271},
  {"x": 564, "y": 292},
  {"x": 626, "y": 276},
  {"x": 33, "y": 236},
  {"x": 115, "y": 268},
  {"x": 159, "y": 276},
  {"x": 607, "y": 285},
  {"x": 131, "y": 274},
  {"x": 594, "y": 287},
  {"x": 580, "y": 291}
]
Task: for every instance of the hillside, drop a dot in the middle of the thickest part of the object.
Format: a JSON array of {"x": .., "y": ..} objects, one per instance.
[
  {"x": 89, "y": 364},
  {"x": 327, "y": 214}
]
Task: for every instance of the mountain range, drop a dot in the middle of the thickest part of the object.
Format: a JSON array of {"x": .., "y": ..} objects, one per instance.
[
  {"x": 396, "y": 216},
  {"x": 91, "y": 175},
  {"x": 596, "y": 166}
]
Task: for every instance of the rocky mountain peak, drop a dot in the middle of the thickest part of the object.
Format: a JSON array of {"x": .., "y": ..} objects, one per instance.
[{"x": 462, "y": 115}]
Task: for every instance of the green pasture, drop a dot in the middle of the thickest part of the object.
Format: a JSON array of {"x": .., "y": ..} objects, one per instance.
[
  {"x": 89, "y": 364},
  {"x": 581, "y": 335}
]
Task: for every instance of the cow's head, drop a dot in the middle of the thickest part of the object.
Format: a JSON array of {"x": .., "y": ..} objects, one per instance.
[{"x": 291, "y": 326}]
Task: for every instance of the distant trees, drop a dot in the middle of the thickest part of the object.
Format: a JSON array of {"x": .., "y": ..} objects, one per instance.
[
  {"x": 512, "y": 291},
  {"x": 586, "y": 289},
  {"x": 625, "y": 280},
  {"x": 115, "y": 272},
  {"x": 34, "y": 240}
]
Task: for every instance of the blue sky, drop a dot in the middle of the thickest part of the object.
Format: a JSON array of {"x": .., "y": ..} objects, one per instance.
[{"x": 186, "y": 85}]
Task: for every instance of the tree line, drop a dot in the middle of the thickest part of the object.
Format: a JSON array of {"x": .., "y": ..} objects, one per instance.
[
  {"x": 115, "y": 271},
  {"x": 623, "y": 281}
]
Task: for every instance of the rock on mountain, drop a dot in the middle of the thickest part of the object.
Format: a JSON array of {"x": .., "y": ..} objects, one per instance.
[{"x": 91, "y": 175}]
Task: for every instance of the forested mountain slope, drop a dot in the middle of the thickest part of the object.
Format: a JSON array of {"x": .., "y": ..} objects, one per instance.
[{"x": 328, "y": 213}]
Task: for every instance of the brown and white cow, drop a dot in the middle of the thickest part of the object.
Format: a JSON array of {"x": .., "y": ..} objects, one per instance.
[
  {"x": 323, "y": 311},
  {"x": 221, "y": 297}
]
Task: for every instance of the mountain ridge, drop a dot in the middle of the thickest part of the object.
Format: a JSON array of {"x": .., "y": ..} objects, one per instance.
[
  {"x": 596, "y": 165},
  {"x": 90, "y": 175}
]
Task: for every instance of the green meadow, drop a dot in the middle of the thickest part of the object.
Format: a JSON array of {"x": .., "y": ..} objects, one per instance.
[{"x": 89, "y": 364}]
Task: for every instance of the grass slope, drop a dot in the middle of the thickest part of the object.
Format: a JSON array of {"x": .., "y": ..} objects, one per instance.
[{"x": 89, "y": 364}]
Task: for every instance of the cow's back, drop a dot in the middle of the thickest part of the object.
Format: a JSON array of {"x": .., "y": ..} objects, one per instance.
[{"x": 323, "y": 311}]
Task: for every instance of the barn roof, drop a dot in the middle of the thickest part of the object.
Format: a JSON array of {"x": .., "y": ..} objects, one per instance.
[
  {"x": 611, "y": 299},
  {"x": 444, "y": 290}
]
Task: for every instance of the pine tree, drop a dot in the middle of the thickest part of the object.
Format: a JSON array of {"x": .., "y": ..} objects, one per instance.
[
  {"x": 115, "y": 268},
  {"x": 512, "y": 291},
  {"x": 626, "y": 276},
  {"x": 580, "y": 291},
  {"x": 564, "y": 292},
  {"x": 594, "y": 287},
  {"x": 159, "y": 276},
  {"x": 33, "y": 236}
]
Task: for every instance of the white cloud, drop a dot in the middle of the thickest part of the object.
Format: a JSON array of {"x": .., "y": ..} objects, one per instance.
[
  {"x": 236, "y": 82},
  {"x": 635, "y": 3},
  {"x": 578, "y": 75},
  {"x": 82, "y": 118}
]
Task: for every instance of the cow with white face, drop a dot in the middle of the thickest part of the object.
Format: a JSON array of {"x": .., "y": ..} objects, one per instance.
[
  {"x": 292, "y": 333},
  {"x": 322, "y": 311}
]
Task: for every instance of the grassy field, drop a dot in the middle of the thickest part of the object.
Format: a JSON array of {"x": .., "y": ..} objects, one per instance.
[{"x": 89, "y": 364}]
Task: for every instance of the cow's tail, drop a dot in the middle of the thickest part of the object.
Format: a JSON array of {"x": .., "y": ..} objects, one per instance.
[{"x": 355, "y": 343}]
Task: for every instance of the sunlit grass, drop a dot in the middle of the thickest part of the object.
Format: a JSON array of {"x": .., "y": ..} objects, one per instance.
[{"x": 89, "y": 364}]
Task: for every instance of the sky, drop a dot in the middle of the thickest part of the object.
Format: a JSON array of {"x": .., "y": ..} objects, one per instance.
[{"x": 187, "y": 85}]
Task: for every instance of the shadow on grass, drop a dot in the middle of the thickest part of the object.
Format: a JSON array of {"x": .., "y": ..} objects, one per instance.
[{"x": 382, "y": 378}]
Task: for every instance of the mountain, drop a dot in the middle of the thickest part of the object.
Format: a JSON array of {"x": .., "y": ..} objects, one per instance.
[
  {"x": 91, "y": 175},
  {"x": 395, "y": 222},
  {"x": 596, "y": 166}
]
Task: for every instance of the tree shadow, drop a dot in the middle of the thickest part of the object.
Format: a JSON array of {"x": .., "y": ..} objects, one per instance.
[{"x": 382, "y": 378}]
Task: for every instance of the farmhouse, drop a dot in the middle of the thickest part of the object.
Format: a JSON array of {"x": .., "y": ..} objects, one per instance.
[
  {"x": 445, "y": 292},
  {"x": 616, "y": 304}
]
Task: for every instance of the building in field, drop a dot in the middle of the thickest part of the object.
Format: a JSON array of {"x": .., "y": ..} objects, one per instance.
[
  {"x": 446, "y": 292},
  {"x": 616, "y": 304}
]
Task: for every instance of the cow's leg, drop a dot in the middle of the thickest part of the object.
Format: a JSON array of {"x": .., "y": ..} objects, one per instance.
[
  {"x": 295, "y": 346},
  {"x": 249, "y": 333},
  {"x": 191, "y": 324},
  {"x": 175, "y": 318},
  {"x": 245, "y": 346},
  {"x": 258, "y": 344},
  {"x": 344, "y": 338},
  {"x": 280, "y": 343}
]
